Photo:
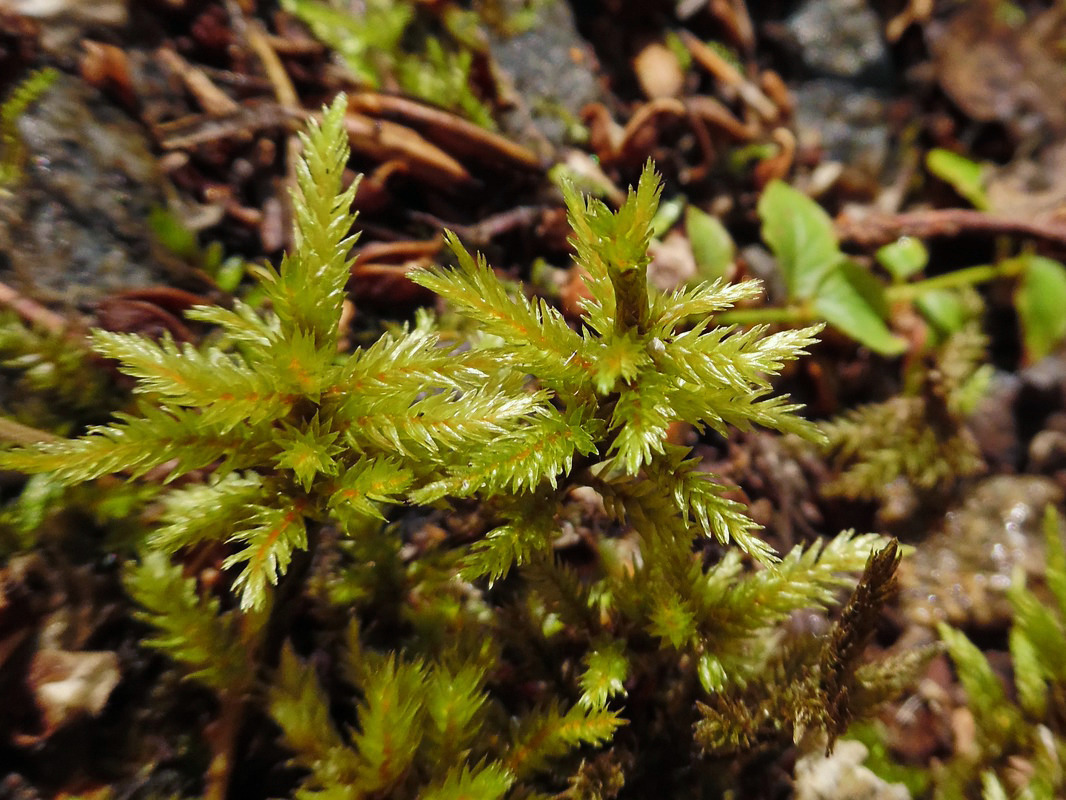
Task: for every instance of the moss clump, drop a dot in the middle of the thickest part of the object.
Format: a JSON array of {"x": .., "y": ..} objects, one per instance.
[{"x": 493, "y": 666}]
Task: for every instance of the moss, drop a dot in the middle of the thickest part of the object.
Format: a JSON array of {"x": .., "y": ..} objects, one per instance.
[{"x": 486, "y": 663}]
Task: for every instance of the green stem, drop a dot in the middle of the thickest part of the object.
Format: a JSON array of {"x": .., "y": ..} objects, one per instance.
[
  {"x": 631, "y": 298},
  {"x": 788, "y": 315},
  {"x": 970, "y": 276},
  {"x": 802, "y": 313}
]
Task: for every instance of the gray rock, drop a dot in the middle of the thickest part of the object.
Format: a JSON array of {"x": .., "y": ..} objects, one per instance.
[
  {"x": 961, "y": 573},
  {"x": 75, "y": 227},
  {"x": 841, "y": 39},
  {"x": 846, "y": 122},
  {"x": 552, "y": 71}
]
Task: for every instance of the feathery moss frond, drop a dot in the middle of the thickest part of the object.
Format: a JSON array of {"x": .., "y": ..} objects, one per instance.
[
  {"x": 919, "y": 436},
  {"x": 551, "y": 733},
  {"x": 613, "y": 250},
  {"x": 732, "y": 609},
  {"x": 641, "y": 418},
  {"x": 534, "y": 333},
  {"x": 390, "y": 723},
  {"x": 207, "y": 511},
  {"x": 189, "y": 628},
  {"x": 699, "y": 497},
  {"x": 742, "y": 360},
  {"x": 366, "y": 482},
  {"x": 137, "y": 444},
  {"x": 497, "y": 551},
  {"x": 997, "y": 720},
  {"x": 670, "y": 310},
  {"x": 226, "y": 389},
  {"x": 822, "y": 695},
  {"x": 1024, "y": 726},
  {"x": 720, "y": 409},
  {"x": 806, "y": 577},
  {"x": 436, "y": 422},
  {"x": 541, "y": 450},
  {"x": 878, "y": 682},
  {"x": 270, "y": 536},
  {"x": 301, "y": 709},
  {"x": 308, "y": 292},
  {"x": 301, "y": 444},
  {"x": 415, "y": 726},
  {"x": 241, "y": 324},
  {"x": 454, "y": 700},
  {"x": 510, "y": 545},
  {"x": 414, "y": 359}
]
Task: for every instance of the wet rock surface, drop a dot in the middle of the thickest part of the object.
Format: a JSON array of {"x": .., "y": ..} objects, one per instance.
[
  {"x": 75, "y": 227},
  {"x": 961, "y": 573}
]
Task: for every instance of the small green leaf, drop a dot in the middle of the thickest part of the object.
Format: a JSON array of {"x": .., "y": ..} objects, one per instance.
[
  {"x": 1028, "y": 674},
  {"x": 903, "y": 258},
  {"x": 1041, "y": 300},
  {"x": 712, "y": 246},
  {"x": 673, "y": 621},
  {"x": 943, "y": 309},
  {"x": 621, "y": 357},
  {"x": 869, "y": 287},
  {"x": 845, "y": 301},
  {"x": 801, "y": 235},
  {"x": 712, "y": 673},
  {"x": 606, "y": 669},
  {"x": 667, "y": 215},
  {"x": 230, "y": 273},
  {"x": 965, "y": 176},
  {"x": 173, "y": 234},
  {"x": 308, "y": 453}
]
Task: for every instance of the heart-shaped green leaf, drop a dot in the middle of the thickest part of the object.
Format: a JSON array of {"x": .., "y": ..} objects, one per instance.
[
  {"x": 801, "y": 235},
  {"x": 903, "y": 257}
]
